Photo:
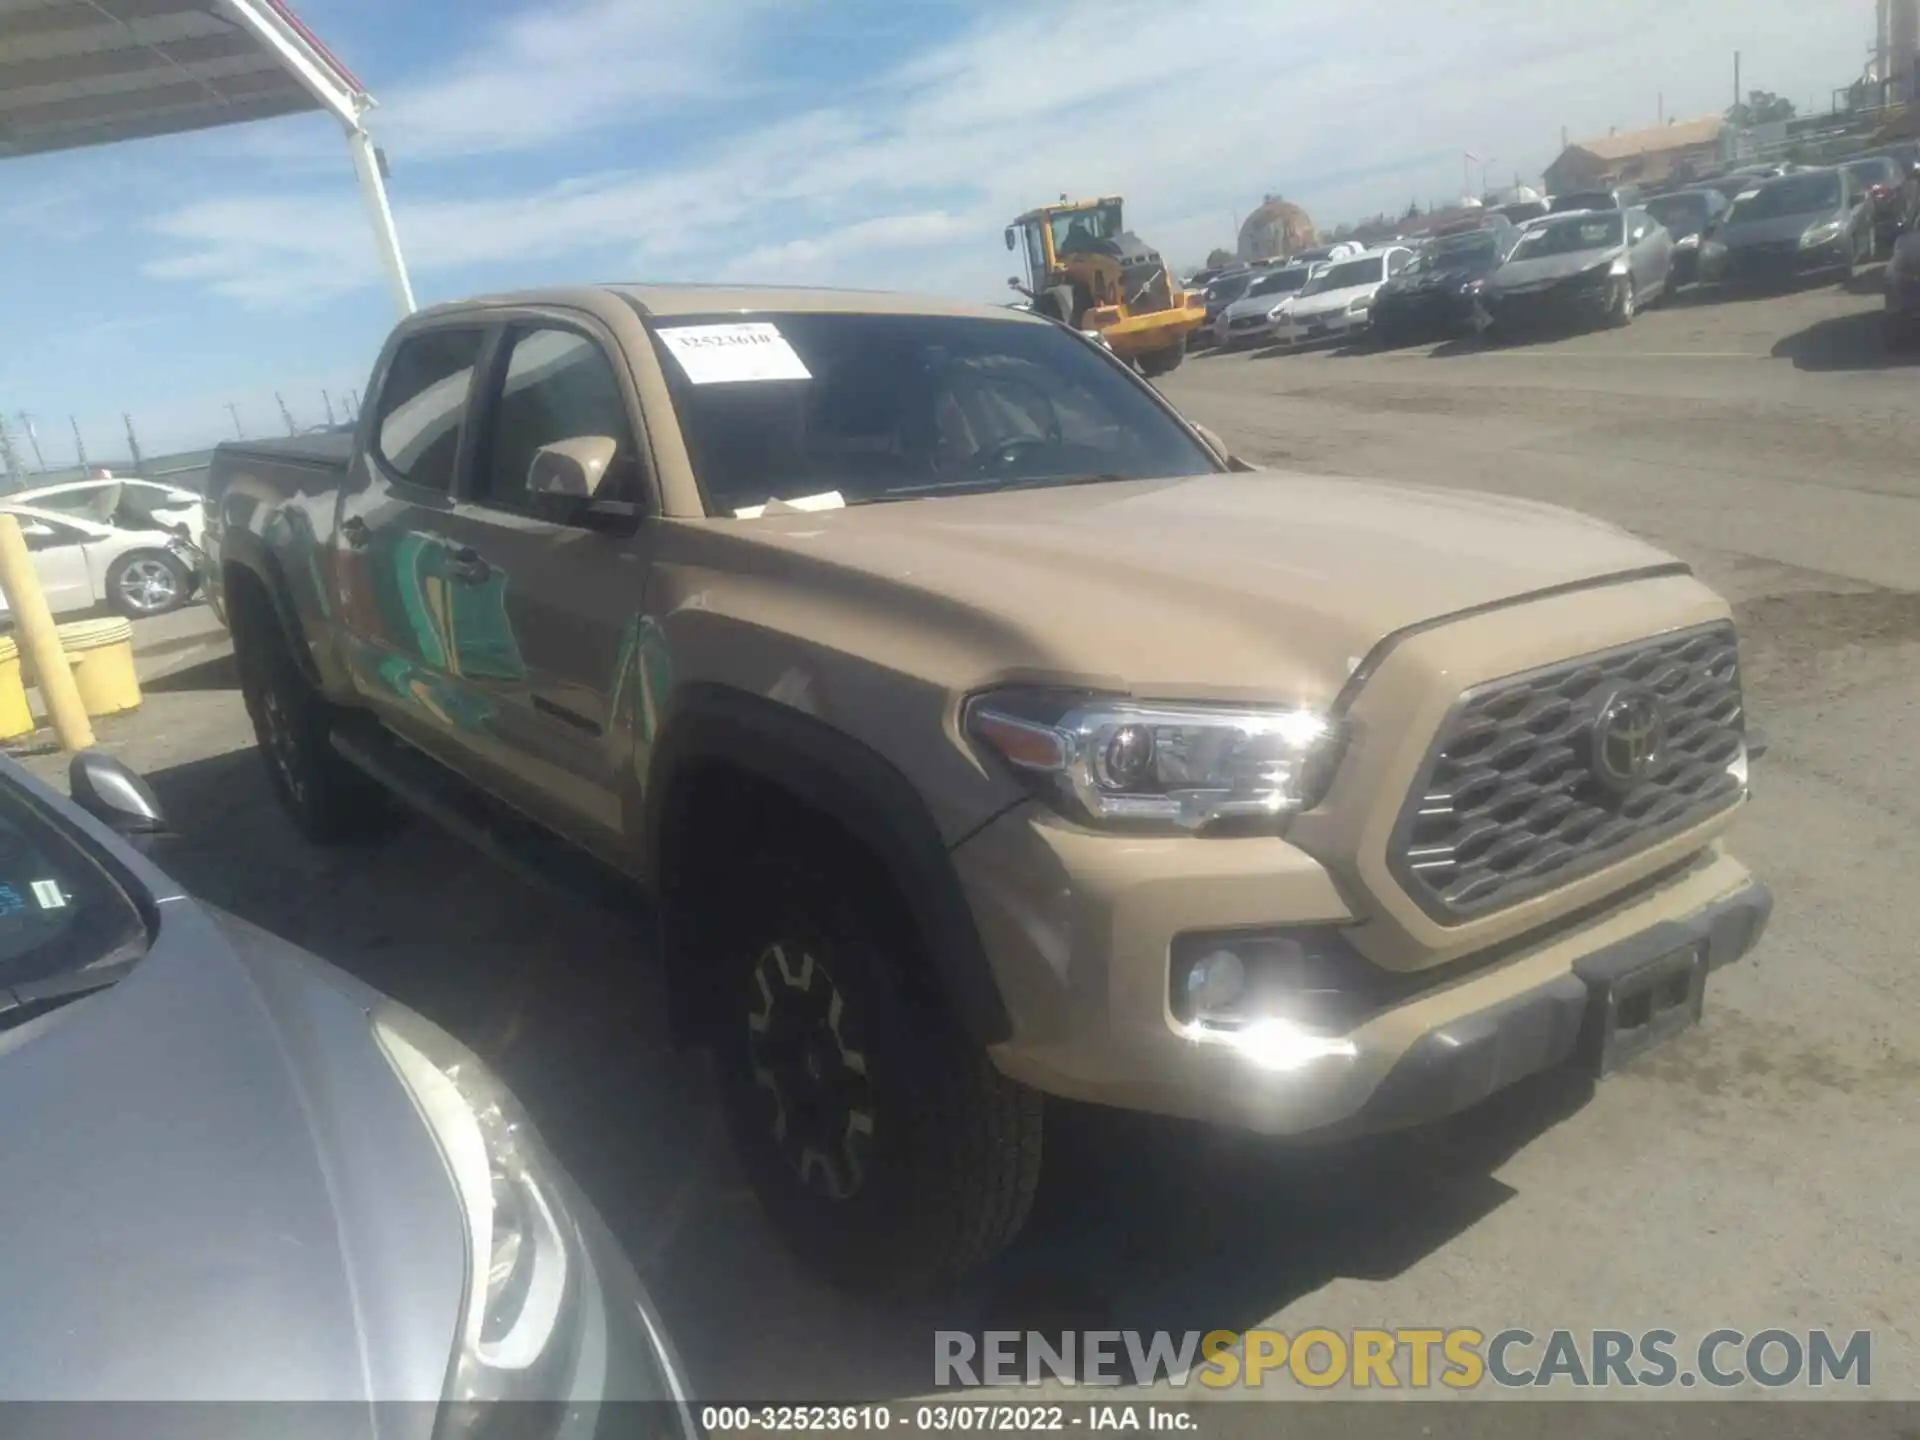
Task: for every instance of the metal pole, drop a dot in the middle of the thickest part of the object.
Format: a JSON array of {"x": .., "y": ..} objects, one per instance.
[
  {"x": 8, "y": 456},
  {"x": 40, "y": 640},
  {"x": 286, "y": 415},
  {"x": 79, "y": 444},
  {"x": 33, "y": 439},
  {"x": 238, "y": 432},
  {"x": 327, "y": 401},
  {"x": 133, "y": 443},
  {"x": 1737, "y": 97},
  {"x": 373, "y": 190}
]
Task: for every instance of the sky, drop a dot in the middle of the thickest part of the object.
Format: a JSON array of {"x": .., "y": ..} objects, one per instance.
[{"x": 857, "y": 142}]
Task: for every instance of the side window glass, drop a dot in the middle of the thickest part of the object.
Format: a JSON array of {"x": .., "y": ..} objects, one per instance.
[
  {"x": 423, "y": 404},
  {"x": 40, "y": 535},
  {"x": 1397, "y": 262},
  {"x": 558, "y": 385}
]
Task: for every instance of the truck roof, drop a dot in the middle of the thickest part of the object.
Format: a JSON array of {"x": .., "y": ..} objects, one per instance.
[{"x": 681, "y": 300}]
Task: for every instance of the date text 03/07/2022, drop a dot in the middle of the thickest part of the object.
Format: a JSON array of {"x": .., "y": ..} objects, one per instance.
[{"x": 975, "y": 1417}]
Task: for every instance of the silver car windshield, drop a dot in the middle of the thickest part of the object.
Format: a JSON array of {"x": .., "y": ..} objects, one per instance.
[
  {"x": 59, "y": 909},
  {"x": 1570, "y": 236}
]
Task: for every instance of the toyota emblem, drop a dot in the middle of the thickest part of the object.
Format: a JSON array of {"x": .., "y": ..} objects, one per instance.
[{"x": 1629, "y": 737}]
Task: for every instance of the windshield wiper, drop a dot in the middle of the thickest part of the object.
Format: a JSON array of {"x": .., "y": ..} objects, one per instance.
[
  {"x": 989, "y": 484},
  {"x": 21, "y": 1003}
]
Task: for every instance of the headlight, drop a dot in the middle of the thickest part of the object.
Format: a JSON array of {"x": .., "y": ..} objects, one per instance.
[
  {"x": 1168, "y": 764},
  {"x": 1279, "y": 312},
  {"x": 1360, "y": 306},
  {"x": 1620, "y": 268},
  {"x": 520, "y": 1319},
  {"x": 1821, "y": 235},
  {"x": 1687, "y": 242}
]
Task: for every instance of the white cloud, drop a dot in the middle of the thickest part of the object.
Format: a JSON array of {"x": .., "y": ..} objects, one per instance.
[
  {"x": 557, "y": 72},
  {"x": 1193, "y": 112}
]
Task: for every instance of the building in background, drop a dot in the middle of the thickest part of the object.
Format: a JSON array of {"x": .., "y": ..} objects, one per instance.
[{"x": 1638, "y": 157}]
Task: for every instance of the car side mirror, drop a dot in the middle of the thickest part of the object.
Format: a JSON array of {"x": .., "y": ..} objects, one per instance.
[
  {"x": 114, "y": 795},
  {"x": 1220, "y": 448},
  {"x": 572, "y": 469}
]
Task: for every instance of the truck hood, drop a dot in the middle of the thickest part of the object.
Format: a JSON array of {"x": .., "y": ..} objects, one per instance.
[{"x": 1265, "y": 583}]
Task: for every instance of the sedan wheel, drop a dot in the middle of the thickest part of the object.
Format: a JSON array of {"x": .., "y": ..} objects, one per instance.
[
  {"x": 147, "y": 583},
  {"x": 1626, "y": 303}
]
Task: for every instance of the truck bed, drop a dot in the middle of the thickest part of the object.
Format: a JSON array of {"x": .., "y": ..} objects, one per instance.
[{"x": 332, "y": 450}]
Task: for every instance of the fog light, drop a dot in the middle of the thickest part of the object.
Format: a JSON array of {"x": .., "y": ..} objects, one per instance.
[{"x": 1214, "y": 983}]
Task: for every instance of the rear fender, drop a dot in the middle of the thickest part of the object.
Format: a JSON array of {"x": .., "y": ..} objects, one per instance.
[{"x": 309, "y": 636}]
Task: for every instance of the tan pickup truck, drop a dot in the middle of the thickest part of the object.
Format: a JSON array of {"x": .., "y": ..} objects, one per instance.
[{"x": 979, "y": 730}]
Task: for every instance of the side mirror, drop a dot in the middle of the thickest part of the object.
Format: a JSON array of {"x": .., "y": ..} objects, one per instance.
[
  {"x": 1219, "y": 448},
  {"x": 115, "y": 796},
  {"x": 1010, "y": 241},
  {"x": 572, "y": 469},
  {"x": 33, "y": 529},
  {"x": 1013, "y": 283}
]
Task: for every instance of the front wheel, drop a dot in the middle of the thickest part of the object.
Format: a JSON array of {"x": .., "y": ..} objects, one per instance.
[
  {"x": 886, "y": 1149},
  {"x": 1626, "y": 302},
  {"x": 1155, "y": 363},
  {"x": 146, "y": 583}
]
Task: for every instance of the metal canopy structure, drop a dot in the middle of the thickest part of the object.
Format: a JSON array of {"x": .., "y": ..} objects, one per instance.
[{"x": 77, "y": 73}]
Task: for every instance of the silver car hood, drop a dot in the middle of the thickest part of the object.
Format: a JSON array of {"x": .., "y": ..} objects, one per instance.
[
  {"x": 1773, "y": 231},
  {"x": 1258, "y": 304},
  {"x": 1547, "y": 268},
  {"x": 219, "y": 1189}
]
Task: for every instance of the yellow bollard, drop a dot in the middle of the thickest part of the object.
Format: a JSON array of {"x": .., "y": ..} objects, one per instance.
[
  {"x": 39, "y": 641},
  {"x": 101, "y": 654},
  {"x": 16, "y": 715}
]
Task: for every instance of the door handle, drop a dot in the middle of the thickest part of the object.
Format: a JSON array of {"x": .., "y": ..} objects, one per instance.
[
  {"x": 356, "y": 532},
  {"x": 469, "y": 567}
]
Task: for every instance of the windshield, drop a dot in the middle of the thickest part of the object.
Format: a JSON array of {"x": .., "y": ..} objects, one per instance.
[
  {"x": 1280, "y": 281},
  {"x": 1877, "y": 171},
  {"x": 1226, "y": 291},
  {"x": 1081, "y": 228},
  {"x": 59, "y": 911},
  {"x": 1349, "y": 273},
  {"x": 1681, "y": 214},
  {"x": 1570, "y": 236},
  {"x": 1793, "y": 195},
  {"x": 1476, "y": 246},
  {"x": 879, "y": 407}
]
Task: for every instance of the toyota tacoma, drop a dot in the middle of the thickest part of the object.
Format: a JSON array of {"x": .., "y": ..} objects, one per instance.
[{"x": 972, "y": 729}]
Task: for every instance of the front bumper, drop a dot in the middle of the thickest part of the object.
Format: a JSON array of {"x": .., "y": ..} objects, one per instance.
[
  {"x": 1563, "y": 303},
  {"x": 1777, "y": 264},
  {"x": 1320, "y": 329},
  {"x": 1081, "y": 927},
  {"x": 1436, "y": 312}
]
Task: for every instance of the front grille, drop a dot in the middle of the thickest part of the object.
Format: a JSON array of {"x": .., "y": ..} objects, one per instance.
[
  {"x": 1508, "y": 803},
  {"x": 1148, "y": 288},
  {"x": 1245, "y": 322}
]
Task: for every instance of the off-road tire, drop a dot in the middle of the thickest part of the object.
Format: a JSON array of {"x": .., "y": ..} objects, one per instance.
[
  {"x": 1155, "y": 363},
  {"x": 1059, "y": 303},
  {"x": 328, "y": 800},
  {"x": 175, "y": 568},
  {"x": 946, "y": 1174}
]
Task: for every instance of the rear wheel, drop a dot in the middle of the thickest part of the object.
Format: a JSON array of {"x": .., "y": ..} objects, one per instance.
[
  {"x": 328, "y": 800},
  {"x": 886, "y": 1149}
]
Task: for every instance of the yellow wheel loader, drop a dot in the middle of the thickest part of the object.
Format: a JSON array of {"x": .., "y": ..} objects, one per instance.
[{"x": 1084, "y": 269}]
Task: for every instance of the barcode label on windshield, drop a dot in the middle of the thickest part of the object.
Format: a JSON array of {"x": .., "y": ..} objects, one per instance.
[
  {"x": 47, "y": 892},
  {"x": 724, "y": 354}
]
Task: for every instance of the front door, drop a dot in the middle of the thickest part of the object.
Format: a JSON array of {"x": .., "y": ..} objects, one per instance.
[
  {"x": 393, "y": 559},
  {"x": 544, "y": 626}
]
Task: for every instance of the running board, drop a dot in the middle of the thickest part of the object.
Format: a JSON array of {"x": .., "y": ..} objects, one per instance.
[{"x": 504, "y": 836}]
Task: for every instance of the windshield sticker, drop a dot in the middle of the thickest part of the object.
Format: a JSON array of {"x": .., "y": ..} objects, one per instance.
[
  {"x": 48, "y": 893},
  {"x": 724, "y": 354}
]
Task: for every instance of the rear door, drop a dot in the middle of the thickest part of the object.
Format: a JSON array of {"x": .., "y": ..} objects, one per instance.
[
  {"x": 391, "y": 551},
  {"x": 545, "y": 617},
  {"x": 60, "y": 560}
]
